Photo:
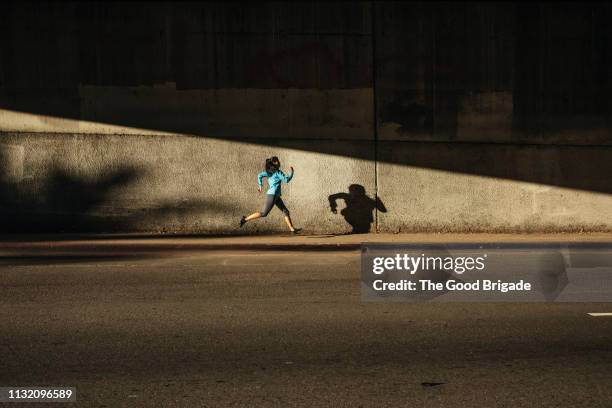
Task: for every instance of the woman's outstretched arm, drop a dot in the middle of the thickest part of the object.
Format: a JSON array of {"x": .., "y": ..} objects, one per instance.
[
  {"x": 288, "y": 177},
  {"x": 260, "y": 178}
]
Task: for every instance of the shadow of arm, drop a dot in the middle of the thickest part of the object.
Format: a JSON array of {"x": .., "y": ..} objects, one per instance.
[
  {"x": 380, "y": 206},
  {"x": 333, "y": 198}
]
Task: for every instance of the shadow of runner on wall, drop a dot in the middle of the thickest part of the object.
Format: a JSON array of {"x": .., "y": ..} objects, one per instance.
[{"x": 359, "y": 208}]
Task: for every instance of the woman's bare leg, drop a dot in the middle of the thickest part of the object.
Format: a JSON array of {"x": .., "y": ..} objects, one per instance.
[
  {"x": 289, "y": 223},
  {"x": 253, "y": 216}
]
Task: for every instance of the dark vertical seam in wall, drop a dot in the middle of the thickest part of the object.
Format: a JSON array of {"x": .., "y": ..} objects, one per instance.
[{"x": 375, "y": 115}]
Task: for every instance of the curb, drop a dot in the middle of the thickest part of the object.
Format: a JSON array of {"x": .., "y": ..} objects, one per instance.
[{"x": 8, "y": 251}]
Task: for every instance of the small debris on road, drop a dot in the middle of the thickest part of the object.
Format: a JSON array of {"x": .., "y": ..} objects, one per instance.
[{"x": 431, "y": 384}]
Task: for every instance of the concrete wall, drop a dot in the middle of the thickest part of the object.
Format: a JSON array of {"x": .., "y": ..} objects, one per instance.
[
  {"x": 450, "y": 116},
  {"x": 494, "y": 116}
]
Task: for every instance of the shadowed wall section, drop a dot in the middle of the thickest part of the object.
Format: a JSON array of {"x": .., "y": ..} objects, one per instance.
[
  {"x": 157, "y": 117},
  {"x": 494, "y": 116}
]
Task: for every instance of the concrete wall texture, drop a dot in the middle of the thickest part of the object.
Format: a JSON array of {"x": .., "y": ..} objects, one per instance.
[{"x": 415, "y": 116}]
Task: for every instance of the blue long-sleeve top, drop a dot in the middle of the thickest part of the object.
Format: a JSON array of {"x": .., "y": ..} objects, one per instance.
[{"x": 274, "y": 180}]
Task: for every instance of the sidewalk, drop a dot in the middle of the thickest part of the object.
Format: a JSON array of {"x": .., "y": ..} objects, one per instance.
[{"x": 45, "y": 245}]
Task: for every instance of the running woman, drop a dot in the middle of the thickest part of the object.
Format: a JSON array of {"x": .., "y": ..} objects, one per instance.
[{"x": 273, "y": 196}]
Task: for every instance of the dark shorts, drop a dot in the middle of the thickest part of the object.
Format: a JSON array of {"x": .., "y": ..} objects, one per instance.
[{"x": 273, "y": 200}]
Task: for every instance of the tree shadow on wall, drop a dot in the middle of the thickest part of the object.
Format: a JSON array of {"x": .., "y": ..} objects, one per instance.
[
  {"x": 74, "y": 200},
  {"x": 60, "y": 202},
  {"x": 65, "y": 202},
  {"x": 359, "y": 208}
]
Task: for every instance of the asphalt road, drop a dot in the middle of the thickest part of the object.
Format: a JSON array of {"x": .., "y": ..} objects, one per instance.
[{"x": 215, "y": 329}]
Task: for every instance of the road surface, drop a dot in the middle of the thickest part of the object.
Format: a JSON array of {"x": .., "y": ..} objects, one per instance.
[{"x": 283, "y": 329}]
